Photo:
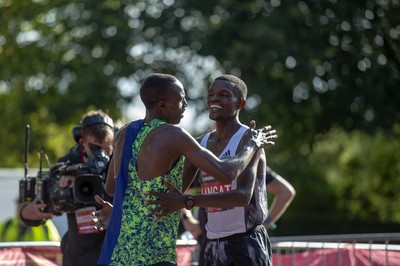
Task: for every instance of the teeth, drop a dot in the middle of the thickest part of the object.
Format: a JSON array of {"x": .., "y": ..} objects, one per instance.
[{"x": 213, "y": 106}]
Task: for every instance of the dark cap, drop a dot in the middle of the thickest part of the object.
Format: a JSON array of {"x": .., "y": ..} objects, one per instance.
[{"x": 96, "y": 119}]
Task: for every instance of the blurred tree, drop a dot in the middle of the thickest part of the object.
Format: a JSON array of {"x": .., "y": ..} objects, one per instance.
[
  {"x": 365, "y": 177},
  {"x": 311, "y": 66},
  {"x": 65, "y": 57},
  {"x": 325, "y": 73}
]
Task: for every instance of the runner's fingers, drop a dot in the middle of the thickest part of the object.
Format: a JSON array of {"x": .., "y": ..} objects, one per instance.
[
  {"x": 155, "y": 194},
  {"x": 99, "y": 226},
  {"x": 156, "y": 210},
  {"x": 164, "y": 213},
  {"x": 169, "y": 185},
  {"x": 97, "y": 213}
]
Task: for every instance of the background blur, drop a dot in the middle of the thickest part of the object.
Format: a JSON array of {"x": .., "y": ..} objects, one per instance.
[
  {"x": 9, "y": 183},
  {"x": 324, "y": 73}
]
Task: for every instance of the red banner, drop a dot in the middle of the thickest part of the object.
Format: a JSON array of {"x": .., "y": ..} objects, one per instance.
[
  {"x": 30, "y": 256},
  {"x": 343, "y": 256},
  {"x": 52, "y": 256}
]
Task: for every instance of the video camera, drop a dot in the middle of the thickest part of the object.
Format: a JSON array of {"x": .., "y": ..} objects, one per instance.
[{"x": 45, "y": 186}]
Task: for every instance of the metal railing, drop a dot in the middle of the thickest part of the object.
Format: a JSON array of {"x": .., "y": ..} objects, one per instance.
[
  {"x": 348, "y": 249},
  {"x": 325, "y": 250}
]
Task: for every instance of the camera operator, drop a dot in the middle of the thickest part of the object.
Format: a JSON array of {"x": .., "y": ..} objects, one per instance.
[{"x": 81, "y": 245}]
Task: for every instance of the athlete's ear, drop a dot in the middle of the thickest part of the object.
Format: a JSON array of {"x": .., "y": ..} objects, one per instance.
[
  {"x": 161, "y": 105},
  {"x": 241, "y": 103}
]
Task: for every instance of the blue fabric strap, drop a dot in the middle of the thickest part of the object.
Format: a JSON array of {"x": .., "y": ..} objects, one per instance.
[{"x": 121, "y": 183}]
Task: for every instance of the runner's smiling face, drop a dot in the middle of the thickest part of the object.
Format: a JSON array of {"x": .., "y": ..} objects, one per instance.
[{"x": 222, "y": 100}]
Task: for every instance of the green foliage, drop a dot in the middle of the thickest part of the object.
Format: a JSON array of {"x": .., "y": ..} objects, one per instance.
[
  {"x": 324, "y": 73},
  {"x": 364, "y": 172}
]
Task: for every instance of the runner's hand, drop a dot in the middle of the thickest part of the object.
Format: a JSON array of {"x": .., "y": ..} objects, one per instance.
[{"x": 102, "y": 217}]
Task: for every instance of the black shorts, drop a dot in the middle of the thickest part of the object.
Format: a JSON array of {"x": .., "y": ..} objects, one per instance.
[{"x": 251, "y": 248}]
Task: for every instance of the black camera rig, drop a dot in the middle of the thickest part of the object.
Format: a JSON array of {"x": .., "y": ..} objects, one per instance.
[{"x": 45, "y": 186}]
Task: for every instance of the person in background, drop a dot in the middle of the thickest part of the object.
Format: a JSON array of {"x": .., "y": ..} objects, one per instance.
[
  {"x": 284, "y": 194},
  {"x": 14, "y": 230},
  {"x": 81, "y": 245}
]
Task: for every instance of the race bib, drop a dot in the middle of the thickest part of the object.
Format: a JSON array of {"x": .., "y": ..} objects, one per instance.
[
  {"x": 209, "y": 185},
  {"x": 84, "y": 220}
]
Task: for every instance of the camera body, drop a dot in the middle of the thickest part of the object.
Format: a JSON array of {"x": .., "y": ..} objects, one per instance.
[{"x": 88, "y": 182}]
